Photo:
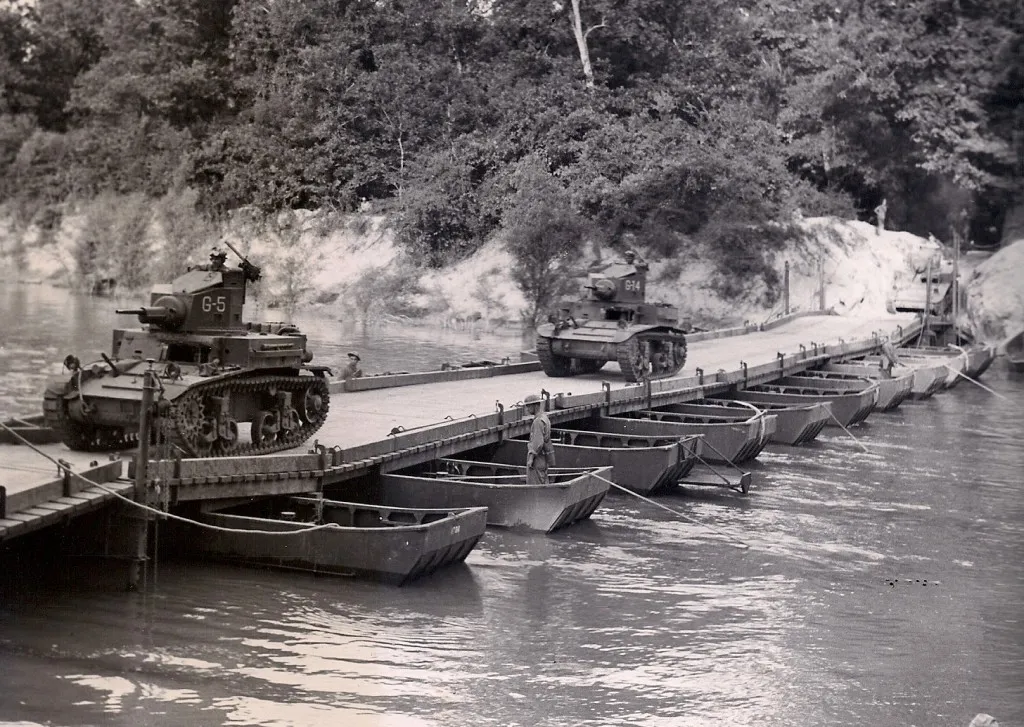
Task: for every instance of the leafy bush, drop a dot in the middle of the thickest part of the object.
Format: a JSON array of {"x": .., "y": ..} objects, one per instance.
[
  {"x": 545, "y": 237},
  {"x": 443, "y": 214},
  {"x": 112, "y": 245},
  {"x": 743, "y": 253},
  {"x": 387, "y": 289},
  {"x": 186, "y": 230}
]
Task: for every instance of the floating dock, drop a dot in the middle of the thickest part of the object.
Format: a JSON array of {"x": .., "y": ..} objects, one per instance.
[{"x": 376, "y": 427}]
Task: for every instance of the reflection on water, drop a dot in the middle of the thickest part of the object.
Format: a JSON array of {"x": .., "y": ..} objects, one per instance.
[
  {"x": 43, "y": 324},
  {"x": 879, "y": 588}
]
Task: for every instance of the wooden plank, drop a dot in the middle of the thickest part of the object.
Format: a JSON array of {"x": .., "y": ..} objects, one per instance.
[
  {"x": 246, "y": 488},
  {"x": 20, "y": 500},
  {"x": 10, "y": 528}
]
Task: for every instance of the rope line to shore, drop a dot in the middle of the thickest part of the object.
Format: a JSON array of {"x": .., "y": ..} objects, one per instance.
[
  {"x": 848, "y": 431},
  {"x": 977, "y": 383},
  {"x": 731, "y": 538},
  {"x": 728, "y": 461},
  {"x": 168, "y": 515}
]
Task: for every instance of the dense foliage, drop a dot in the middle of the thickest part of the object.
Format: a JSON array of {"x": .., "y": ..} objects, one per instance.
[{"x": 680, "y": 122}]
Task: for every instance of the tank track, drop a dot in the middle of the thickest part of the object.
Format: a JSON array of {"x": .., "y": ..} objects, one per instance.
[
  {"x": 180, "y": 430},
  {"x": 634, "y": 359},
  {"x": 80, "y": 436}
]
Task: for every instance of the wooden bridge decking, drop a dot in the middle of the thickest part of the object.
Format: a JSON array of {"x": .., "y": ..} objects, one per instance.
[{"x": 392, "y": 428}]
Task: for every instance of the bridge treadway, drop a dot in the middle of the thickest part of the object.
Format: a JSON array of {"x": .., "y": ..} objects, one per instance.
[{"x": 358, "y": 418}]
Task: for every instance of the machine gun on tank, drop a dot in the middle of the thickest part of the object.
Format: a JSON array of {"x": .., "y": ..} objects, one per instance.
[{"x": 206, "y": 298}]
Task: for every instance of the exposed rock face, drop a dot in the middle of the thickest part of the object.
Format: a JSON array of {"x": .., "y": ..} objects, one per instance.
[
  {"x": 1013, "y": 225},
  {"x": 995, "y": 294}
]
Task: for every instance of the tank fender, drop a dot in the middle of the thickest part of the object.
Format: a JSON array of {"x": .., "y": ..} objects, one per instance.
[{"x": 319, "y": 370}]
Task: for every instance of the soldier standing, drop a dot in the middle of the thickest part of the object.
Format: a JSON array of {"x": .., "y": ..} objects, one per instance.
[
  {"x": 351, "y": 370},
  {"x": 880, "y": 217},
  {"x": 889, "y": 356},
  {"x": 540, "y": 453}
]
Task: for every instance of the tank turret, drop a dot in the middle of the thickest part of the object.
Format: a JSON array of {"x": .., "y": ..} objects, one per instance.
[
  {"x": 613, "y": 322},
  {"x": 215, "y": 372},
  {"x": 168, "y": 314}
]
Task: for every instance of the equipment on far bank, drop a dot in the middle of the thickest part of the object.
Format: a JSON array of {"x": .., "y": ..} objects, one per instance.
[
  {"x": 614, "y": 323},
  {"x": 929, "y": 293},
  {"x": 212, "y": 370}
]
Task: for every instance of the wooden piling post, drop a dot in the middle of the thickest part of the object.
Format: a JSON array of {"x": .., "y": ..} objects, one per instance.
[
  {"x": 140, "y": 523},
  {"x": 785, "y": 288},
  {"x": 821, "y": 285},
  {"x": 927, "y": 304},
  {"x": 956, "y": 289}
]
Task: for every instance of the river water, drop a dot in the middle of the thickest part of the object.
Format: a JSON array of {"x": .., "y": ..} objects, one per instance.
[{"x": 878, "y": 588}]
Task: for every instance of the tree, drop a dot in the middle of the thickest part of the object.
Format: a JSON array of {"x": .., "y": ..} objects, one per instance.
[{"x": 544, "y": 236}]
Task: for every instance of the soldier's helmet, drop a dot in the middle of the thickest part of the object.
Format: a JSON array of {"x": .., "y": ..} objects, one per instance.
[
  {"x": 630, "y": 256},
  {"x": 531, "y": 399}
]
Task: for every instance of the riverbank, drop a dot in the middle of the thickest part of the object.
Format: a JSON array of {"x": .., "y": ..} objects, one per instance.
[{"x": 351, "y": 268}]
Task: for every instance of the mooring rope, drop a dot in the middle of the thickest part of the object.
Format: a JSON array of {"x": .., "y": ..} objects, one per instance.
[
  {"x": 162, "y": 513},
  {"x": 727, "y": 461},
  {"x": 977, "y": 383},
  {"x": 733, "y": 540},
  {"x": 848, "y": 431}
]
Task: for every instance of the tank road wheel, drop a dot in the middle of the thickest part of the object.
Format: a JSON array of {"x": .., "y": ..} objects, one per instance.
[
  {"x": 227, "y": 436},
  {"x": 315, "y": 402},
  {"x": 667, "y": 357},
  {"x": 264, "y": 429},
  {"x": 206, "y": 437},
  {"x": 634, "y": 360},
  {"x": 552, "y": 363}
]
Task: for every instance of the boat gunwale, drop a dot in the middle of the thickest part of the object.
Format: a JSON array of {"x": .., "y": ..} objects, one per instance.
[
  {"x": 298, "y": 526},
  {"x": 582, "y": 474}
]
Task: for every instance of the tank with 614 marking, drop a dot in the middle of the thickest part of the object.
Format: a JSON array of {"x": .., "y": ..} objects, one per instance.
[
  {"x": 216, "y": 375},
  {"x": 614, "y": 322}
]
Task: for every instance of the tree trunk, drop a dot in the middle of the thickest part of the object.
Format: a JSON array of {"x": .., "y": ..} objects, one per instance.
[{"x": 581, "y": 42}]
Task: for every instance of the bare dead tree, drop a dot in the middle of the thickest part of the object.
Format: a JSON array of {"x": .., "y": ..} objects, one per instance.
[{"x": 581, "y": 41}]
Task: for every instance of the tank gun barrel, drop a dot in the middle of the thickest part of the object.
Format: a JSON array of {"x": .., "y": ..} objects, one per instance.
[{"x": 153, "y": 314}]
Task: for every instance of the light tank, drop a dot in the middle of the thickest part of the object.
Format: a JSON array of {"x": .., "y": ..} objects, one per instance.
[
  {"x": 613, "y": 322},
  {"x": 214, "y": 373}
]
